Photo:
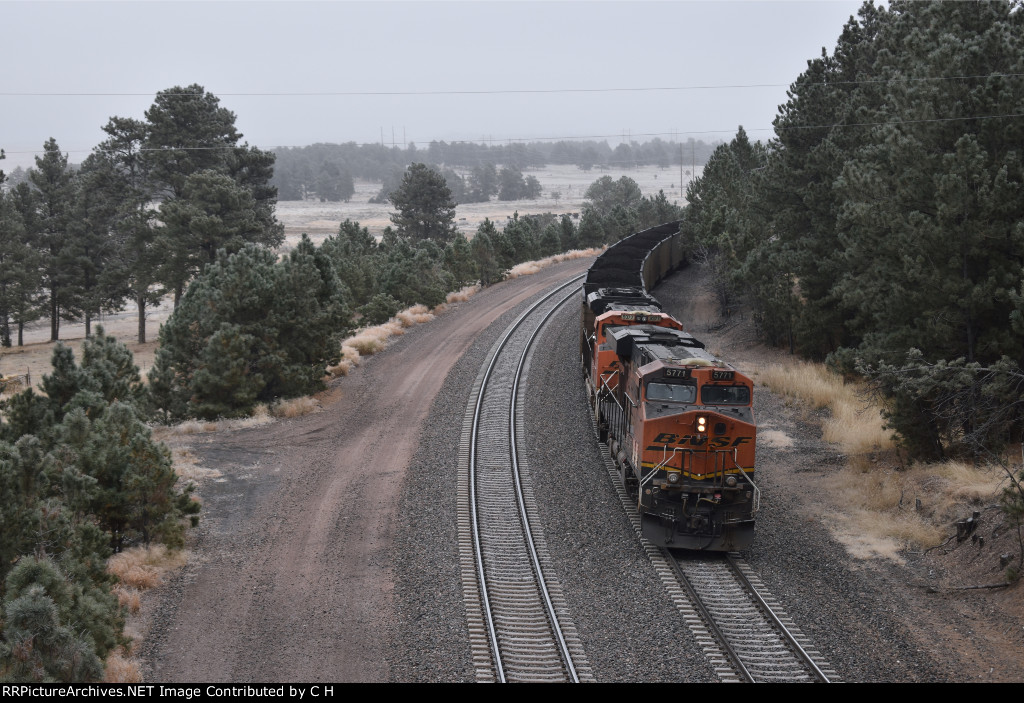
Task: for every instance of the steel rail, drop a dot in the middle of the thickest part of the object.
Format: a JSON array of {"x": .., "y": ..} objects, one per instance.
[
  {"x": 519, "y": 489},
  {"x": 708, "y": 618},
  {"x": 478, "y": 551},
  {"x": 794, "y": 644}
]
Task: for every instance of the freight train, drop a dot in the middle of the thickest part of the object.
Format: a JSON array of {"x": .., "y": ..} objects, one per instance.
[{"x": 677, "y": 421}]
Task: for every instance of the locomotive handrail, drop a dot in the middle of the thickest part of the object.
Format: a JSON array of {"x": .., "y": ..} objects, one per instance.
[
  {"x": 664, "y": 462},
  {"x": 756, "y": 501}
]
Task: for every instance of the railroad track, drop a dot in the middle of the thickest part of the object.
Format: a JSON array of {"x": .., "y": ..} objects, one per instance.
[
  {"x": 518, "y": 619},
  {"x": 742, "y": 629},
  {"x": 761, "y": 642}
]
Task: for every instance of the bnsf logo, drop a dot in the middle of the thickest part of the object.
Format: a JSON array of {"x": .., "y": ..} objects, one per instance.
[{"x": 699, "y": 440}]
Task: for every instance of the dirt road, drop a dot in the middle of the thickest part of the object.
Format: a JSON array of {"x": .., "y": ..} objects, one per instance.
[{"x": 292, "y": 571}]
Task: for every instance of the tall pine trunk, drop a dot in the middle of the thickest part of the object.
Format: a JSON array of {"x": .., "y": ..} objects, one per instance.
[
  {"x": 54, "y": 318},
  {"x": 141, "y": 300}
]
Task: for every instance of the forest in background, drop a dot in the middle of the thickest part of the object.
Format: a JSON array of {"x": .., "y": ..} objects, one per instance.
[{"x": 474, "y": 172}]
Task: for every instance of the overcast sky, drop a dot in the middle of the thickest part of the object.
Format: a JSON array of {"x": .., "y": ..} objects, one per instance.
[{"x": 496, "y": 70}]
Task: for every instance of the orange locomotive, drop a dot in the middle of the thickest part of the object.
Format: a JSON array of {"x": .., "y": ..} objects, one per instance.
[{"x": 678, "y": 421}]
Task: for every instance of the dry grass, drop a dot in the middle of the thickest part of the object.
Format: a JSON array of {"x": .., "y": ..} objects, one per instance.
[
  {"x": 528, "y": 268},
  {"x": 463, "y": 294},
  {"x": 370, "y": 340},
  {"x": 137, "y": 570},
  {"x": 144, "y": 567},
  {"x": 854, "y": 424},
  {"x": 186, "y": 465},
  {"x": 261, "y": 415},
  {"x": 128, "y": 598},
  {"x": 296, "y": 407},
  {"x": 885, "y": 506},
  {"x": 416, "y": 315},
  {"x": 121, "y": 668}
]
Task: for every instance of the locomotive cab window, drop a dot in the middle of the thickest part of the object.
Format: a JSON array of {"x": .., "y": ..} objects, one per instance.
[
  {"x": 672, "y": 392},
  {"x": 725, "y": 395}
]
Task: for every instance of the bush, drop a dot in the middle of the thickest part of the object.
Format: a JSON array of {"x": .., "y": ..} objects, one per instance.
[{"x": 250, "y": 329}]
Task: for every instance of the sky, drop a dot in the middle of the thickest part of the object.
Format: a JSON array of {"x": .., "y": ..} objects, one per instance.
[{"x": 297, "y": 73}]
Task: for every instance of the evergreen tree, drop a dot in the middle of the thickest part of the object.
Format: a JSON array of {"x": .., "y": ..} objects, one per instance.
[
  {"x": 127, "y": 186},
  {"x": 94, "y": 249},
  {"x": 605, "y": 193},
  {"x": 486, "y": 261},
  {"x": 43, "y": 642},
  {"x": 569, "y": 237},
  {"x": 55, "y": 187},
  {"x": 483, "y": 183},
  {"x": 19, "y": 270},
  {"x": 250, "y": 329},
  {"x": 425, "y": 206},
  {"x": 511, "y": 184},
  {"x": 458, "y": 260},
  {"x": 206, "y": 180},
  {"x": 591, "y": 230}
]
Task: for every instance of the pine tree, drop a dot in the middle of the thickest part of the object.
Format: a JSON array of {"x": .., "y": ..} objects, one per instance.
[
  {"x": 250, "y": 329},
  {"x": 425, "y": 206},
  {"x": 19, "y": 264},
  {"x": 55, "y": 185},
  {"x": 215, "y": 191}
]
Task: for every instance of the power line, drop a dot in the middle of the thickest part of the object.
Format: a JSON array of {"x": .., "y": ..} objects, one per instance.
[
  {"x": 505, "y": 140},
  {"x": 526, "y": 91}
]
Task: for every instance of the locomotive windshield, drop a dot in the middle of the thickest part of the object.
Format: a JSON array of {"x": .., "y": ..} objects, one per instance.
[
  {"x": 672, "y": 392},
  {"x": 725, "y": 395}
]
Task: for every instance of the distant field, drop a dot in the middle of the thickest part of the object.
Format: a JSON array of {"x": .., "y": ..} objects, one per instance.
[{"x": 320, "y": 220}]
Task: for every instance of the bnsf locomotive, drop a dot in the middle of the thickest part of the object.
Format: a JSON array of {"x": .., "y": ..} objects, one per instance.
[{"x": 678, "y": 421}]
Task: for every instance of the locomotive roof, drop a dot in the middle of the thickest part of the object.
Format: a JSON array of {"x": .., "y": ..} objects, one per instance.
[
  {"x": 651, "y": 343},
  {"x": 604, "y": 299}
]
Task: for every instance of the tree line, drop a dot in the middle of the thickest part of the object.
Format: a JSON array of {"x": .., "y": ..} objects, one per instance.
[
  {"x": 883, "y": 227},
  {"x": 327, "y": 171},
  {"x": 143, "y": 214}
]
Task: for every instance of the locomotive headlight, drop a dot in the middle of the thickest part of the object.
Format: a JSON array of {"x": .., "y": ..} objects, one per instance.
[
  {"x": 702, "y": 424},
  {"x": 673, "y": 477},
  {"x": 730, "y": 481}
]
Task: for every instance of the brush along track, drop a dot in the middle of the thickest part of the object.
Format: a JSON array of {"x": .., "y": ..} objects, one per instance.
[
  {"x": 744, "y": 633},
  {"x": 519, "y": 629}
]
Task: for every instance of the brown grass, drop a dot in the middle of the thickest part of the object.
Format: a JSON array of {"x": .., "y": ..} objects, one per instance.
[
  {"x": 144, "y": 567},
  {"x": 463, "y": 294},
  {"x": 854, "y": 423},
  {"x": 886, "y": 507},
  {"x": 296, "y": 407},
  {"x": 416, "y": 315},
  {"x": 128, "y": 598},
  {"x": 121, "y": 668},
  {"x": 186, "y": 465},
  {"x": 528, "y": 268},
  {"x": 137, "y": 570}
]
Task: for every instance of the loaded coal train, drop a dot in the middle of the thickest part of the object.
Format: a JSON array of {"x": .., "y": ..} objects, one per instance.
[{"x": 677, "y": 421}]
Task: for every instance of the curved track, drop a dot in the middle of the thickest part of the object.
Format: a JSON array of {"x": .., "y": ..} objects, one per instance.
[{"x": 519, "y": 629}]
